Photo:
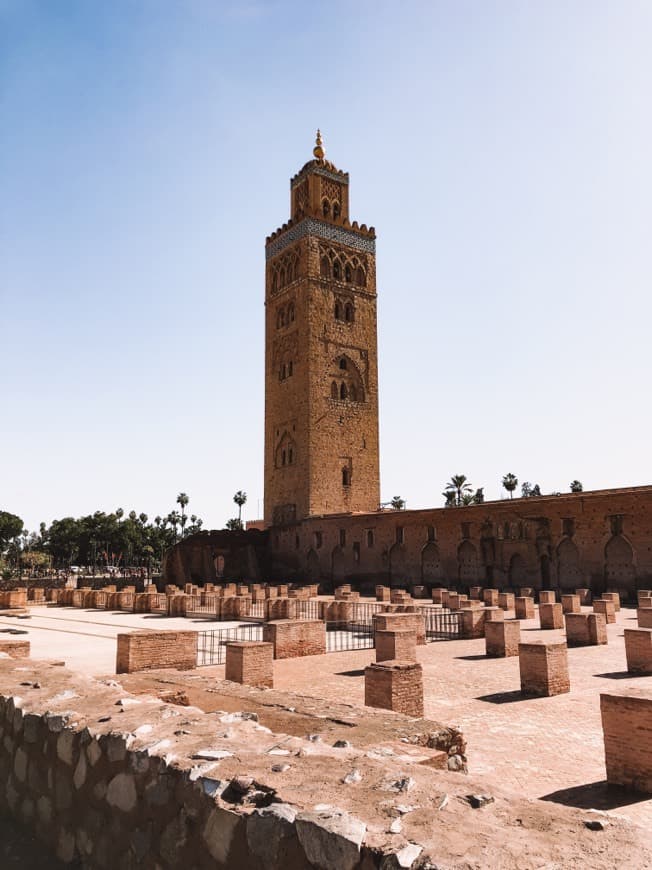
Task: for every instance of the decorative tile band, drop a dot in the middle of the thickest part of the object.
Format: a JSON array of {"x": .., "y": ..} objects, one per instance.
[
  {"x": 340, "y": 177},
  {"x": 312, "y": 227}
]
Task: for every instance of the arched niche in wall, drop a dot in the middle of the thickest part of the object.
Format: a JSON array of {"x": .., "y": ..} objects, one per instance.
[
  {"x": 568, "y": 566},
  {"x": 338, "y": 564},
  {"x": 619, "y": 567},
  {"x": 398, "y": 565},
  {"x": 517, "y": 570},
  {"x": 467, "y": 562},
  {"x": 431, "y": 569}
]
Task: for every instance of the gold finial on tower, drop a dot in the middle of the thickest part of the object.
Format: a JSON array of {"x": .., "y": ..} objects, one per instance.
[{"x": 318, "y": 150}]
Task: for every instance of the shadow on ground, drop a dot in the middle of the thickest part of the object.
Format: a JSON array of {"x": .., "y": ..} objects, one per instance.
[
  {"x": 505, "y": 697},
  {"x": 595, "y": 796}
]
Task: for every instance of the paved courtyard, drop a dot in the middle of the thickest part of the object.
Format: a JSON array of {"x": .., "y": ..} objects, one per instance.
[{"x": 546, "y": 747}]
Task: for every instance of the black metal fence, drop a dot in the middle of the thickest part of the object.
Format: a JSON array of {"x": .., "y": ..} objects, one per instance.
[
  {"x": 349, "y": 636},
  {"x": 211, "y": 645},
  {"x": 441, "y": 624}
]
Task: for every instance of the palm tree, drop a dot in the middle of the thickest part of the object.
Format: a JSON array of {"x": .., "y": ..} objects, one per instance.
[
  {"x": 397, "y": 503},
  {"x": 510, "y": 482},
  {"x": 449, "y": 495},
  {"x": 182, "y": 499},
  {"x": 133, "y": 516},
  {"x": 576, "y": 486},
  {"x": 142, "y": 518},
  {"x": 173, "y": 518},
  {"x": 119, "y": 514},
  {"x": 157, "y": 521},
  {"x": 459, "y": 485},
  {"x": 240, "y": 499}
]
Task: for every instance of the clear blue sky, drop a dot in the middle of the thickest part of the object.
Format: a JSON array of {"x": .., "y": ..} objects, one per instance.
[{"x": 501, "y": 149}]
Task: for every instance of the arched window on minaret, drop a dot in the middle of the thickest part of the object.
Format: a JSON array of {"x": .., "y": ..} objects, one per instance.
[
  {"x": 343, "y": 365},
  {"x": 325, "y": 267},
  {"x": 291, "y": 312},
  {"x": 274, "y": 282},
  {"x": 338, "y": 310},
  {"x": 325, "y": 208},
  {"x": 346, "y": 477},
  {"x": 337, "y": 270},
  {"x": 348, "y": 275},
  {"x": 343, "y": 392},
  {"x": 281, "y": 278},
  {"x": 336, "y": 210},
  {"x": 334, "y": 390},
  {"x": 359, "y": 277},
  {"x": 348, "y": 312}
]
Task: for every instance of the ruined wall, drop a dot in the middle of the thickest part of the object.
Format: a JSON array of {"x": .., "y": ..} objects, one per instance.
[
  {"x": 596, "y": 539},
  {"x": 210, "y": 556}
]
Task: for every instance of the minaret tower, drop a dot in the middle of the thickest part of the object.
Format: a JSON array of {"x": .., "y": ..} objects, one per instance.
[{"x": 321, "y": 370}]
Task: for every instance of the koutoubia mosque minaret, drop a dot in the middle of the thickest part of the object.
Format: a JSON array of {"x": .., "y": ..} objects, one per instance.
[{"x": 321, "y": 366}]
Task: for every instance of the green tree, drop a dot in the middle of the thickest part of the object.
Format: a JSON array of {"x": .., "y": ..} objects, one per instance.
[
  {"x": 397, "y": 503},
  {"x": 510, "y": 482},
  {"x": 240, "y": 498},
  {"x": 458, "y": 485},
  {"x": 576, "y": 486},
  {"x": 234, "y": 525},
  {"x": 11, "y": 526},
  {"x": 182, "y": 499},
  {"x": 449, "y": 495}
]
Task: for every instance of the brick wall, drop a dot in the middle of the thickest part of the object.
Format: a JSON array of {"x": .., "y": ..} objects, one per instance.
[
  {"x": 397, "y": 643},
  {"x": 547, "y": 597},
  {"x": 280, "y": 608},
  {"x": 146, "y": 650},
  {"x": 585, "y": 596},
  {"x": 394, "y": 685},
  {"x": 506, "y": 600},
  {"x": 543, "y": 667},
  {"x": 294, "y": 638},
  {"x": 490, "y": 597},
  {"x": 502, "y": 637},
  {"x": 638, "y": 650},
  {"x": 612, "y": 596},
  {"x": 472, "y": 622},
  {"x": 627, "y": 732},
  {"x": 251, "y": 663},
  {"x": 644, "y": 615}
]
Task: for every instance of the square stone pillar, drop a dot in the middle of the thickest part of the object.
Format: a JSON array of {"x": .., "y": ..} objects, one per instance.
[
  {"x": 571, "y": 604},
  {"x": 544, "y": 668},
  {"x": 644, "y": 601},
  {"x": 293, "y": 638},
  {"x": 397, "y": 643},
  {"x": 250, "y": 663},
  {"x": 585, "y": 596},
  {"x": 606, "y": 608},
  {"x": 494, "y": 614},
  {"x": 436, "y": 595},
  {"x": 280, "y": 608},
  {"x": 526, "y": 592},
  {"x": 643, "y": 593},
  {"x": 638, "y": 649},
  {"x": 524, "y": 607},
  {"x": 506, "y": 600},
  {"x": 547, "y": 596},
  {"x": 502, "y": 638},
  {"x": 394, "y": 685},
  {"x": 490, "y": 597},
  {"x": 612, "y": 596},
  {"x": 627, "y": 732},
  {"x": 382, "y": 593},
  {"x": 472, "y": 622},
  {"x": 585, "y": 629},
  {"x": 271, "y": 592},
  {"x": 644, "y": 615},
  {"x": 551, "y": 616},
  {"x": 454, "y": 600},
  {"x": 475, "y": 593},
  {"x": 414, "y": 621}
]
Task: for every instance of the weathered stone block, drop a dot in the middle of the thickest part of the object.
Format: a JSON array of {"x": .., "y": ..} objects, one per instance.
[
  {"x": 294, "y": 638},
  {"x": 585, "y": 629},
  {"x": 524, "y": 607},
  {"x": 250, "y": 663},
  {"x": 627, "y": 732},
  {"x": 606, "y": 608},
  {"x": 551, "y": 616},
  {"x": 502, "y": 637},
  {"x": 638, "y": 649},
  {"x": 544, "y": 668},
  {"x": 395, "y": 685},
  {"x": 397, "y": 643},
  {"x": 571, "y": 604},
  {"x": 145, "y": 650}
]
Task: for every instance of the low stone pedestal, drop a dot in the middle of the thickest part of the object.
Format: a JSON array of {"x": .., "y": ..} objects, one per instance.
[
  {"x": 644, "y": 615},
  {"x": 490, "y": 597},
  {"x": 475, "y": 593},
  {"x": 296, "y": 637},
  {"x": 394, "y": 685},
  {"x": 606, "y": 608},
  {"x": 638, "y": 649},
  {"x": 145, "y": 650},
  {"x": 396, "y": 643},
  {"x": 644, "y": 601},
  {"x": 585, "y": 596},
  {"x": 472, "y": 622},
  {"x": 524, "y": 607},
  {"x": 571, "y": 604},
  {"x": 280, "y": 608},
  {"x": 437, "y": 595},
  {"x": 612, "y": 596},
  {"x": 454, "y": 600},
  {"x": 585, "y": 629},
  {"x": 382, "y": 593},
  {"x": 494, "y": 614},
  {"x": 551, "y": 616},
  {"x": 271, "y": 592},
  {"x": 502, "y": 638},
  {"x": 547, "y": 596},
  {"x": 643, "y": 593},
  {"x": 250, "y": 663},
  {"x": 526, "y": 592},
  {"x": 627, "y": 732},
  {"x": 506, "y": 600},
  {"x": 544, "y": 668},
  {"x": 414, "y": 621}
]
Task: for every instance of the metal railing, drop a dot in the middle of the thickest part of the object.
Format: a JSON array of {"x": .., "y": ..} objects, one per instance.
[
  {"x": 349, "y": 636},
  {"x": 211, "y": 645},
  {"x": 441, "y": 624}
]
